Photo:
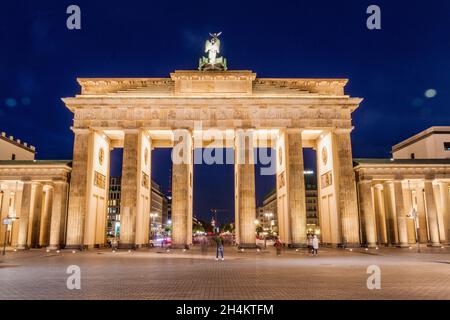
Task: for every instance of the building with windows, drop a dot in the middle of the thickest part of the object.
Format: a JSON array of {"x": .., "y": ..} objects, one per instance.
[
  {"x": 158, "y": 213},
  {"x": 267, "y": 213},
  {"x": 432, "y": 143},
  {"x": 113, "y": 224},
  {"x": 15, "y": 149}
]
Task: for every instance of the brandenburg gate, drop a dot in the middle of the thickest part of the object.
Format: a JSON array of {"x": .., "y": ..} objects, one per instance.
[{"x": 141, "y": 114}]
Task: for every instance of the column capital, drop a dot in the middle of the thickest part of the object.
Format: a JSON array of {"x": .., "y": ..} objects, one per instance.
[
  {"x": 80, "y": 130},
  {"x": 295, "y": 130},
  {"x": 131, "y": 130},
  {"x": 343, "y": 130}
]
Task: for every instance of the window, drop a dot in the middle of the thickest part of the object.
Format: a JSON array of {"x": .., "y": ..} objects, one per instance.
[
  {"x": 13, "y": 156},
  {"x": 447, "y": 146},
  {"x": 413, "y": 156}
]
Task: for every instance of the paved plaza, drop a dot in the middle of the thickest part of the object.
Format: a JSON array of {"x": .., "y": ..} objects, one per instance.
[{"x": 156, "y": 274}]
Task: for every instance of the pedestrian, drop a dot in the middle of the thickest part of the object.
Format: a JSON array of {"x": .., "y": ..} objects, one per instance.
[
  {"x": 315, "y": 245},
  {"x": 309, "y": 243},
  {"x": 204, "y": 245},
  {"x": 278, "y": 245},
  {"x": 219, "y": 247}
]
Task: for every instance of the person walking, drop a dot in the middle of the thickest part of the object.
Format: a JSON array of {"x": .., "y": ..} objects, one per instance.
[
  {"x": 278, "y": 245},
  {"x": 309, "y": 243},
  {"x": 219, "y": 247},
  {"x": 315, "y": 245},
  {"x": 204, "y": 245}
]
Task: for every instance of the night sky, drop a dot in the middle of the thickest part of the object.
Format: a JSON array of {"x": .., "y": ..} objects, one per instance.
[{"x": 391, "y": 68}]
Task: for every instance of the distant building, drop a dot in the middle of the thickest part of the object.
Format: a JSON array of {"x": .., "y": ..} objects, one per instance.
[
  {"x": 432, "y": 143},
  {"x": 114, "y": 206},
  {"x": 159, "y": 208},
  {"x": 312, "y": 216},
  {"x": 267, "y": 212},
  {"x": 14, "y": 149}
]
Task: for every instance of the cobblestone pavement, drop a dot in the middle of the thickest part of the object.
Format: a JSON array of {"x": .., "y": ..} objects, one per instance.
[{"x": 155, "y": 274}]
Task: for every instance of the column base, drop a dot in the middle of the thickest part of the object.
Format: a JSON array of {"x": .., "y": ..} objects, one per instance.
[
  {"x": 129, "y": 246},
  {"x": 372, "y": 245},
  {"x": 248, "y": 246},
  {"x": 79, "y": 247},
  {"x": 179, "y": 246},
  {"x": 403, "y": 245},
  {"x": 347, "y": 245},
  {"x": 298, "y": 245},
  {"x": 53, "y": 247},
  {"x": 22, "y": 247},
  {"x": 434, "y": 245}
]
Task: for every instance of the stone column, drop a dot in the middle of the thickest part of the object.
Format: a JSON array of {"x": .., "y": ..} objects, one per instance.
[
  {"x": 24, "y": 216},
  {"x": 421, "y": 215},
  {"x": 46, "y": 217},
  {"x": 348, "y": 203},
  {"x": 410, "y": 227},
  {"x": 4, "y": 204},
  {"x": 245, "y": 170},
  {"x": 391, "y": 217},
  {"x": 182, "y": 182},
  {"x": 380, "y": 215},
  {"x": 58, "y": 214},
  {"x": 16, "y": 223},
  {"x": 78, "y": 188},
  {"x": 401, "y": 214},
  {"x": 129, "y": 191},
  {"x": 445, "y": 209},
  {"x": 36, "y": 213},
  {"x": 432, "y": 213},
  {"x": 367, "y": 212},
  {"x": 296, "y": 189}
]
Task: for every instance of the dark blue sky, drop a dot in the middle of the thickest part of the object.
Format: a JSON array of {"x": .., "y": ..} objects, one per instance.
[{"x": 390, "y": 68}]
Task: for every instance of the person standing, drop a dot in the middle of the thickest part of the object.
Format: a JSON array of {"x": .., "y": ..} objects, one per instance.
[
  {"x": 219, "y": 247},
  {"x": 278, "y": 245},
  {"x": 315, "y": 245},
  {"x": 309, "y": 243}
]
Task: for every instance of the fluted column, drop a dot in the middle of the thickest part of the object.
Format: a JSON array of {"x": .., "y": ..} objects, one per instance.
[
  {"x": 296, "y": 188},
  {"x": 58, "y": 214},
  {"x": 380, "y": 215},
  {"x": 24, "y": 216},
  {"x": 245, "y": 171},
  {"x": 4, "y": 204},
  {"x": 432, "y": 214},
  {"x": 367, "y": 211},
  {"x": 401, "y": 214},
  {"x": 421, "y": 216},
  {"x": 348, "y": 203},
  {"x": 44, "y": 235},
  {"x": 391, "y": 217},
  {"x": 129, "y": 192},
  {"x": 410, "y": 227},
  {"x": 182, "y": 183},
  {"x": 36, "y": 213},
  {"x": 445, "y": 209},
  {"x": 78, "y": 190}
]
